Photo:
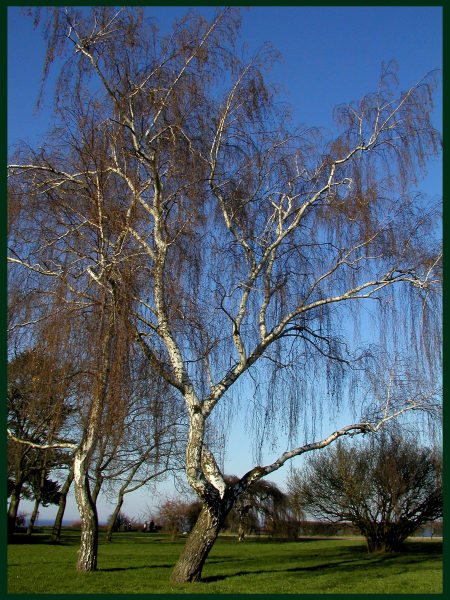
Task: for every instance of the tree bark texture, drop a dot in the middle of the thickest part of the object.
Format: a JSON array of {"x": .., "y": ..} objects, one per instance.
[
  {"x": 198, "y": 545},
  {"x": 32, "y": 520},
  {"x": 56, "y": 533},
  {"x": 87, "y": 553}
]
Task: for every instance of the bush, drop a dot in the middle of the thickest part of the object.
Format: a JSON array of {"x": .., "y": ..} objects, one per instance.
[{"x": 386, "y": 488}]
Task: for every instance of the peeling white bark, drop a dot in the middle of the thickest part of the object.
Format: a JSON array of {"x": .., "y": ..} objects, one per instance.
[
  {"x": 212, "y": 472},
  {"x": 87, "y": 553}
]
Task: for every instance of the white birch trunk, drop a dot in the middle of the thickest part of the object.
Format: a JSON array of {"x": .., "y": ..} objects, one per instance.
[{"x": 87, "y": 553}]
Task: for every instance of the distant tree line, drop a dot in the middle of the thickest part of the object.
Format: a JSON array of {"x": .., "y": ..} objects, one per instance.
[{"x": 385, "y": 489}]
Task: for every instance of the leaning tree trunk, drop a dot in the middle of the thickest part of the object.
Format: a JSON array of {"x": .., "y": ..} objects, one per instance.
[
  {"x": 199, "y": 543},
  {"x": 87, "y": 553},
  {"x": 122, "y": 492},
  {"x": 32, "y": 520},
  {"x": 37, "y": 502},
  {"x": 56, "y": 533},
  {"x": 113, "y": 518}
]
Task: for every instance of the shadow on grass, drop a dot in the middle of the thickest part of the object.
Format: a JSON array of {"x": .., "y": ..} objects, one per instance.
[
  {"x": 40, "y": 539},
  {"x": 72, "y": 538},
  {"x": 412, "y": 554},
  {"x": 220, "y": 560},
  {"x": 430, "y": 547},
  {"x": 331, "y": 565},
  {"x": 135, "y": 540},
  {"x": 136, "y": 568}
]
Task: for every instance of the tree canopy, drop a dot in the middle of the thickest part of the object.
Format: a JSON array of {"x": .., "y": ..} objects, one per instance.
[{"x": 176, "y": 200}]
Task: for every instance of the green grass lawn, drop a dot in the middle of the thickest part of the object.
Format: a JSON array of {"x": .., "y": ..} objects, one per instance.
[{"x": 140, "y": 563}]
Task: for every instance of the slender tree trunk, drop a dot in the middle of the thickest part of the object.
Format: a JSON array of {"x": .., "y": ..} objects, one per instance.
[
  {"x": 97, "y": 488},
  {"x": 56, "y": 533},
  {"x": 122, "y": 492},
  {"x": 113, "y": 518},
  {"x": 241, "y": 532},
  {"x": 198, "y": 545},
  {"x": 87, "y": 553},
  {"x": 37, "y": 502},
  {"x": 37, "y": 499},
  {"x": 242, "y": 522}
]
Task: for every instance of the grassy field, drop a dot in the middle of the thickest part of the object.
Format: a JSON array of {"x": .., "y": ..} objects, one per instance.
[{"x": 139, "y": 563}]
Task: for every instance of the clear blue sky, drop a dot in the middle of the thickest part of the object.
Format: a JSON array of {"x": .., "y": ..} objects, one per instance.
[{"x": 331, "y": 55}]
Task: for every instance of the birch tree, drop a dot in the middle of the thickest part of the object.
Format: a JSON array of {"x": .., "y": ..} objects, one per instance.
[
  {"x": 83, "y": 328},
  {"x": 254, "y": 241},
  {"x": 62, "y": 233}
]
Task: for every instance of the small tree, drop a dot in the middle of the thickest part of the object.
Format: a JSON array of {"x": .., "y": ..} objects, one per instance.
[
  {"x": 120, "y": 521},
  {"x": 262, "y": 500},
  {"x": 387, "y": 488},
  {"x": 172, "y": 514},
  {"x": 192, "y": 513}
]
